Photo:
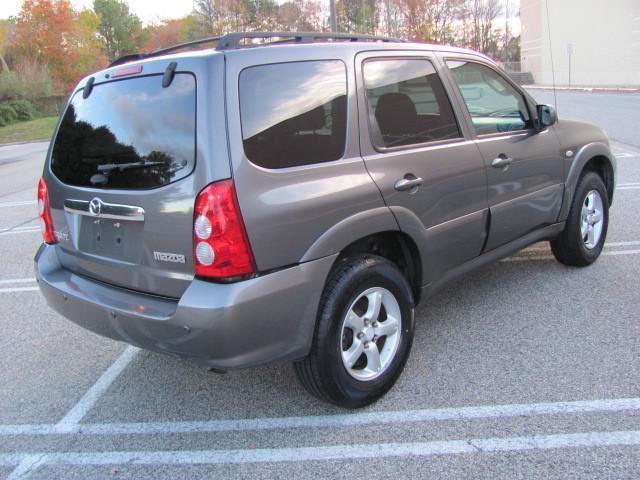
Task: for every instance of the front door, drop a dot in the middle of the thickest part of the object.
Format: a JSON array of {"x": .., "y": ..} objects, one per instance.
[
  {"x": 524, "y": 166},
  {"x": 430, "y": 175}
]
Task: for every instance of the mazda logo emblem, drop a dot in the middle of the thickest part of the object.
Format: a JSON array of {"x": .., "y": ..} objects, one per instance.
[{"x": 95, "y": 207}]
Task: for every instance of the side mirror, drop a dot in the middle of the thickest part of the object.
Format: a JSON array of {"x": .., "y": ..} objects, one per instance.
[{"x": 547, "y": 116}]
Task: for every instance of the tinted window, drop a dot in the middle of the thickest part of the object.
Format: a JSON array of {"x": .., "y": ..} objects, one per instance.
[
  {"x": 407, "y": 103},
  {"x": 494, "y": 105},
  {"x": 128, "y": 134},
  {"x": 293, "y": 113}
]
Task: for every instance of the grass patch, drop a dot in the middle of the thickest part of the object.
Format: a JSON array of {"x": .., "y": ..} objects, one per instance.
[{"x": 39, "y": 129}]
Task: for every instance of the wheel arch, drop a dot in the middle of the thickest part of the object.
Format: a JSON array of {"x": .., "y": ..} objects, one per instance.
[
  {"x": 595, "y": 157},
  {"x": 374, "y": 231},
  {"x": 603, "y": 167},
  {"x": 397, "y": 247}
]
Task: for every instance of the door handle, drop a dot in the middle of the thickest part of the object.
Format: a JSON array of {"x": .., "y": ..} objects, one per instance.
[
  {"x": 501, "y": 161},
  {"x": 409, "y": 182}
]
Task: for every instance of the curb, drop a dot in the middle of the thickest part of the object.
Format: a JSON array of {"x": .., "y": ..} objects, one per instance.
[{"x": 622, "y": 90}]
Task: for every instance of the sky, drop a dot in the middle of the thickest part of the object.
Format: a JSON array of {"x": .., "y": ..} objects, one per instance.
[{"x": 148, "y": 11}]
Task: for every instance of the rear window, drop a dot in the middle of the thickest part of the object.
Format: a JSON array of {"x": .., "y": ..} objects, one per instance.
[
  {"x": 294, "y": 113},
  {"x": 129, "y": 134}
]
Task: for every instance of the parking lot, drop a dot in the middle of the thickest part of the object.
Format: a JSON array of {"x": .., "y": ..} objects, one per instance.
[{"x": 525, "y": 369}]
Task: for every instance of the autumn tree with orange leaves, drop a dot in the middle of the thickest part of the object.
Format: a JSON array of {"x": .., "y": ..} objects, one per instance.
[
  {"x": 50, "y": 35},
  {"x": 46, "y": 33}
]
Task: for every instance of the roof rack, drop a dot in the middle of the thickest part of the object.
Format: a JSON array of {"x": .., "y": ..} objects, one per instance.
[{"x": 233, "y": 41}]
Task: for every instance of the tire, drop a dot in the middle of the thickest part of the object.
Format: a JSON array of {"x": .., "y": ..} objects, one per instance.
[
  {"x": 353, "y": 288},
  {"x": 573, "y": 247}
]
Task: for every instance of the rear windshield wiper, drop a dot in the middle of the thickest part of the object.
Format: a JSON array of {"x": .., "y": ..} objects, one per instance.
[{"x": 108, "y": 167}]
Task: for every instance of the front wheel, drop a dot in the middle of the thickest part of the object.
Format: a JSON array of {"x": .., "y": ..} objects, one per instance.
[
  {"x": 583, "y": 238},
  {"x": 363, "y": 335}
]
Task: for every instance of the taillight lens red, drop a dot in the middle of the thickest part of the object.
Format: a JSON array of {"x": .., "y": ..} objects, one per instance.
[
  {"x": 220, "y": 245},
  {"x": 44, "y": 212}
]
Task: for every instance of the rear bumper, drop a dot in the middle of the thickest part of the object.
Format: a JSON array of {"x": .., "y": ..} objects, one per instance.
[{"x": 225, "y": 326}]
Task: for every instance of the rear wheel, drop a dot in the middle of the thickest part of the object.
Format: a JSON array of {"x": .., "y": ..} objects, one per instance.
[
  {"x": 363, "y": 335},
  {"x": 581, "y": 242}
]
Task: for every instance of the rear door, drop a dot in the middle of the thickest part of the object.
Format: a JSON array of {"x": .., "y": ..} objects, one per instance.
[
  {"x": 429, "y": 172},
  {"x": 524, "y": 166},
  {"x": 121, "y": 174}
]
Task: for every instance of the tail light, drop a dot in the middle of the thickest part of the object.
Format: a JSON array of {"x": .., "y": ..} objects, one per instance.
[
  {"x": 220, "y": 243},
  {"x": 44, "y": 212}
]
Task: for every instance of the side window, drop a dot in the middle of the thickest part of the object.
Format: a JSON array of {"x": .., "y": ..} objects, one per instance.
[
  {"x": 407, "y": 103},
  {"x": 494, "y": 105},
  {"x": 294, "y": 113}
]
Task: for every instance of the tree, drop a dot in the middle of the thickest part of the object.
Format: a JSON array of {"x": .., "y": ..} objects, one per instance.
[
  {"x": 414, "y": 18},
  {"x": 299, "y": 15},
  {"x": 46, "y": 33},
  {"x": 91, "y": 45},
  {"x": 440, "y": 16},
  {"x": 172, "y": 32},
  {"x": 7, "y": 29},
  {"x": 121, "y": 31},
  {"x": 217, "y": 17},
  {"x": 360, "y": 16},
  {"x": 483, "y": 14}
]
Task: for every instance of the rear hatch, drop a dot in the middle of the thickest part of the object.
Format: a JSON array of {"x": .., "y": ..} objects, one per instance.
[{"x": 125, "y": 167}]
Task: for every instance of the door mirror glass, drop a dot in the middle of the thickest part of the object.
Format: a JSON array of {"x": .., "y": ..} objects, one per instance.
[{"x": 547, "y": 116}]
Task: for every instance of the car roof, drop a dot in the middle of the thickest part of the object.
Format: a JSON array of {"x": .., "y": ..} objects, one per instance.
[
  {"x": 281, "y": 42},
  {"x": 353, "y": 48}
]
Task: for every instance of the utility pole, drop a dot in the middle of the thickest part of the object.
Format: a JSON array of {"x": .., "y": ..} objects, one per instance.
[
  {"x": 569, "y": 53},
  {"x": 388, "y": 9},
  {"x": 507, "y": 8},
  {"x": 332, "y": 16}
]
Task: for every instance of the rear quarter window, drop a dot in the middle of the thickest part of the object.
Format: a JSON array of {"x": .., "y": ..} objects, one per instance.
[
  {"x": 294, "y": 113},
  {"x": 128, "y": 134}
]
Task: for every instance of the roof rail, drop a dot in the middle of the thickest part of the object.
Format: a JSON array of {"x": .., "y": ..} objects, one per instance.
[
  {"x": 233, "y": 41},
  {"x": 141, "y": 56}
]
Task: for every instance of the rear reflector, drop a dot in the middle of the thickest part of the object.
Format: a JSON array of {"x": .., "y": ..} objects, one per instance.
[
  {"x": 44, "y": 212},
  {"x": 220, "y": 243}
]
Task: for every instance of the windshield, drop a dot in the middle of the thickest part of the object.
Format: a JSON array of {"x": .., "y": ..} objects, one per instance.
[{"x": 128, "y": 134}]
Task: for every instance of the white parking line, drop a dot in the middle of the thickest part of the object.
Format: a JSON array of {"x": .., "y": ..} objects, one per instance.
[
  {"x": 20, "y": 230},
  {"x": 9, "y": 459},
  {"x": 475, "y": 446},
  {"x": 622, "y": 252},
  {"x": 27, "y": 466},
  {"x": 550, "y": 257},
  {"x": 338, "y": 420},
  {"x": 622, "y": 244},
  {"x": 622, "y": 189},
  {"x": 17, "y": 203},
  {"x": 628, "y": 184},
  {"x": 10, "y": 281},
  {"x": 70, "y": 422},
  {"x": 19, "y": 289},
  {"x": 538, "y": 246}
]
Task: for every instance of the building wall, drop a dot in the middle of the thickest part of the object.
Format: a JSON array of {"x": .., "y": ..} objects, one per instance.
[{"x": 594, "y": 42}]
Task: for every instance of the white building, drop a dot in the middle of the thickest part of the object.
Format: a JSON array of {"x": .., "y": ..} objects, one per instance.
[{"x": 593, "y": 43}]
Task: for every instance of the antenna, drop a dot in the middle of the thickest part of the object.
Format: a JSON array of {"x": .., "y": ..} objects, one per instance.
[{"x": 553, "y": 74}]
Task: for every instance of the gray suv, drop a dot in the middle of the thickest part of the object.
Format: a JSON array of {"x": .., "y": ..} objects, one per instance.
[{"x": 292, "y": 197}]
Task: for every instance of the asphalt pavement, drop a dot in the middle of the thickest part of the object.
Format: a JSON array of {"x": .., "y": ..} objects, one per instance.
[
  {"x": 524, "y": 369},
  {"x": 618, "y": 114}
]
